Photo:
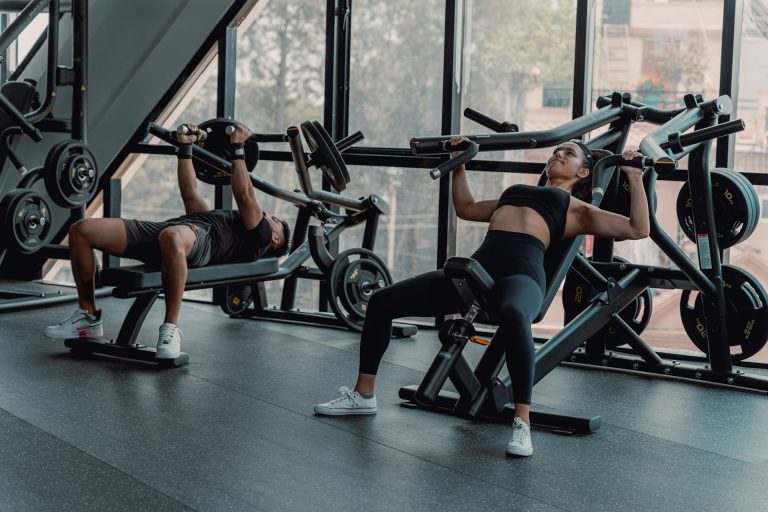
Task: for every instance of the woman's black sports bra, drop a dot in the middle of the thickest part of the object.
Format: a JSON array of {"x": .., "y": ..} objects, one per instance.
[{"x": 549, "y": 202}]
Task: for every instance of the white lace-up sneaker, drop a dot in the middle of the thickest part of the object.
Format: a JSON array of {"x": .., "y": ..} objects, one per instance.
[
  {"x": 169, "y": 342},
  {"x": 520, "y": 444},
  {"x": 350, "y": 402},
  {"x": 79, "y": 324}
]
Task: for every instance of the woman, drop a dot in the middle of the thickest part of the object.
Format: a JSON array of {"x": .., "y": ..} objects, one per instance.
[{"x": 522, "y": 223}]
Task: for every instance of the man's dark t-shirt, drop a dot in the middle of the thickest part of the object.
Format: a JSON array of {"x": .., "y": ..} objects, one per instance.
[{"x": 230, "y": 242}]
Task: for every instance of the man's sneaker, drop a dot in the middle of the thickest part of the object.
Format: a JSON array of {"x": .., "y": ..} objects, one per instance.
[
  {"x": 79, "y": 324},
  {"x": 520, "y": 444},
  {"x": 169, "y": 342},
  {"x": 350, "y": 402}
]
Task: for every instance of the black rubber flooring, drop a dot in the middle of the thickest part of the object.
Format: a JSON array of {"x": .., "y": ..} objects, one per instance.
[{"x": 234, "y": 430}]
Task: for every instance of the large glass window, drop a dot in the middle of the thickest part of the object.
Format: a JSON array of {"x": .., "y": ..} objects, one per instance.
[
  {"x": 517, "y": 69},
  {"x": 658, "y": 52},
  {"x": 280, "y": 83},
  {"x": 396, "y": 66}
]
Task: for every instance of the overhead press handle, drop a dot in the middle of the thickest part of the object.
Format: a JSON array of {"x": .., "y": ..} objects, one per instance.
[
  {"x": 489, "y": 122},
  {"x": 469, "y": 151}
]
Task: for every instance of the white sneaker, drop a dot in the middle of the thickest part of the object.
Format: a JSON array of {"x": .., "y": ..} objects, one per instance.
[
  {"x": 350, "y": 402},
  {"x": 169, "y": 342},
  {"x": 79, "y": 324},
  {"x": 520, "y": 444}
]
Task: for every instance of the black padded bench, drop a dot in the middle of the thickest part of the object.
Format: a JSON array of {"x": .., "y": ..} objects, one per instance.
[{"x": 144, "y": 282}]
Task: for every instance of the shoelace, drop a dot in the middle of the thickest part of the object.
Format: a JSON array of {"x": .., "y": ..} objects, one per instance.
[
  {"x": 74, "y": 317},
  {"x": 519, "y": 434},
  {"x": 346, "y": 394},
  {"x": 167, "y": 335}
]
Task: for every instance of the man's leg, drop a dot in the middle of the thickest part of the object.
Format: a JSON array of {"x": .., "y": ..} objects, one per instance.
[
  {"x": 85, "y": 235},
  {"x": 175, "y": 244}
]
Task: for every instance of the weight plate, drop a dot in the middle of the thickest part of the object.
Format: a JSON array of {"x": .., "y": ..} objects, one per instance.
[
  {"x": 323, "y": 155},
  {"x": 26, "y": 216},
  {"x": 355, "y": 275},
  {"x": 237, "y": 299},
  {"x": 746, "y": 320},
  {"x": 735, "y": 204},
  {"x": 336, "y": 153},
  {"x": 578, "y": 294},
  {"x": 217, "y": 142},
  {"x": 71, "y": 175},
  {"x": 623, "y": 203}
]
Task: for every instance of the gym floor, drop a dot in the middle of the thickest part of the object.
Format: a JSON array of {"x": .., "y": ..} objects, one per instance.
[{"x": 234, "y": 430}]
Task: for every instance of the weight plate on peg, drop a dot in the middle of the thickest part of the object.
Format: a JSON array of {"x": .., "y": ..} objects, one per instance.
[
  {"x": 324, "y": 155},
  {"x": 578, "y": 294},
  {"x": 26, "y": 216},
  {"x": 71, "y": 175},
  {"x": 237, "y": 298},
  {"x": 355, "y": 275},
  {"x": 735, "y": 203},
  {"x": 746, "y": 321}
]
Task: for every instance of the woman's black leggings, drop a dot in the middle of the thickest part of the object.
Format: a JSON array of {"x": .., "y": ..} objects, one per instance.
[{"x": 514, "y": 260}]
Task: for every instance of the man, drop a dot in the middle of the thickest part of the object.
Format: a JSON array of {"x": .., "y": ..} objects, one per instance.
[{"x": 200, "y": 237}]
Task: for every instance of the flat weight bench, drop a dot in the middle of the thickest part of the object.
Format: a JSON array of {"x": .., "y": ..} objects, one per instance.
[{"x": 144, "y": 283}]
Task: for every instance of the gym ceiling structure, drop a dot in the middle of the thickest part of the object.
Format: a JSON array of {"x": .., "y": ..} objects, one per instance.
[{"x": 659, "y": 403}]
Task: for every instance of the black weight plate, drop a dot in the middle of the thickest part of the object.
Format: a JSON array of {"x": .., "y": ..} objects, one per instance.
[
  {"x": 622, "y": 203},
  {"x": 746, "y": 319},
  {"x": 26, "y": 218},
  {"x": 361, "y": 278},
  {"x": 71, "y": 174},
  {"x": 31, "y": 177},
  {"x": 349, "y": 303},
  {"x": 734, "y": 208},
  {"x": 322, "y": 155},
  {"x": 217, "y": 142},
  {"x": 237, "y": 298},
  {"x": 578, "y": 293},
  {"x": 336, "y": 153},
  {"x": 754, "y": 209}
]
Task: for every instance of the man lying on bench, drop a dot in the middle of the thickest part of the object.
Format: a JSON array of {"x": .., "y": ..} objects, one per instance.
[
  {"x": 200, "y": 237},
  {"x": 522, "y": 223}
]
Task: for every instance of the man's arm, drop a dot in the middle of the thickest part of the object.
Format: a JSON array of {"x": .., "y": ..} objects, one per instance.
[
  {"x": 185, "y": 173},
  {"x": 242, "y": 189}
]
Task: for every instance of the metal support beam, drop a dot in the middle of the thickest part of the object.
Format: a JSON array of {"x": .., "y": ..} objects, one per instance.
[{"x": 730, "y": 58}]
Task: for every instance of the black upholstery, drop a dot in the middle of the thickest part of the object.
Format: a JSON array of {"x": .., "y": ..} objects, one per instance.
[{"x": 141, "y": 277}]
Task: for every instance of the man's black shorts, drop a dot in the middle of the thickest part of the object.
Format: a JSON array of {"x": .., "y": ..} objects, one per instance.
[{"x": 143, "y": 244}]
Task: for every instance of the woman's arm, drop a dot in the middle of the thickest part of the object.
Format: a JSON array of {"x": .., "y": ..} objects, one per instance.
[{"x": 466, "y": 206}]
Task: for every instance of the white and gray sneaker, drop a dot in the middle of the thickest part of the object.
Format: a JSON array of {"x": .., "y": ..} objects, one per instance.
[
  {"x": 520, "y": 444},
  {"x": 79, "y": 324},
  {"x": 350, "y": 402},
  {"x": 169, "y": 342}
]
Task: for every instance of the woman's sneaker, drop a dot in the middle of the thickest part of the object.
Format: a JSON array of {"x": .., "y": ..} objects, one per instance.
[
  {"x": 169, "y": 342},
  {"x": 520, "y": 444},
  {"x": 79, "y": 324},
  {"x": 350, "y": 402}
]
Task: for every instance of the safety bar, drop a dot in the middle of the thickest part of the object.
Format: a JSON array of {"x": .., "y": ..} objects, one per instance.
[
  {"x": 526, "y": 140},
  {"x": 489, "y": 122},
  {"x": 223, "y": 165},
  {"x": 297, "y": 150}
]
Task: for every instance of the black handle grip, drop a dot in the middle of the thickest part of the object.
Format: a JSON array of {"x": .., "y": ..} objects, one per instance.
[
  {"x": 469, "y": 151},
  {"x": 489, "y": 122}
]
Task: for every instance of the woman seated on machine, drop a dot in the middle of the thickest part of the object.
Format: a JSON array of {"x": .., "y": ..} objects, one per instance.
[{"x": 523, "y": 221}]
